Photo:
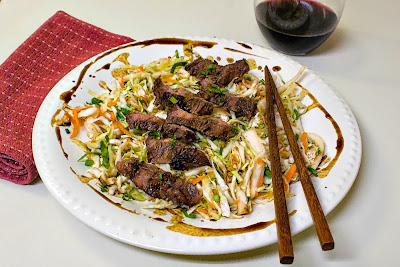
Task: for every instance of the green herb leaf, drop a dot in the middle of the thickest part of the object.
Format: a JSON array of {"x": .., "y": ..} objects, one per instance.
[
  {"x": 221, "y": 149},
  {"x": 296, "y": 113},
  {"x": 96, "y": 101},
  {"x": 126, "y": 197},
  {"x": 67, "y": 131},
  {"x": 104, "y": 153},
  {"x": 178, "y": 64},
  {"x": 248, "y": 78},
  {"x": 313, "y": 171},
  {"x": 296, "y": 136},
  {"x": 210, "y": 90},
  {"x": 267, "y": 172},
  {"x": 211, "y": 66},
  {"x": 103, "y": 187},
  {"x": 205, "y": 73},
  {"x": 89, "y": 162},
  {"x": 107, "y": 138},
  {"x": 176, "y": 53},
  {"x": 214, "y": 179},
  {"x": 154, "y": 134},
  {"x": 261, "y": 81},
  {"x": 160, "y": 177},
  {"x": 318, "y": 151},
  {"x": 214, "y": 86},
  {"x": 191, "y": 216},
  {"x": 216, "y": 198},
  {"x": 173, "y": 100},
  {"x": 224, "y": 90}
]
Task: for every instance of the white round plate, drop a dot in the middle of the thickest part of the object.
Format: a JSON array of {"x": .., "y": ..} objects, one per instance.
[{"x": 142, "y": 231}]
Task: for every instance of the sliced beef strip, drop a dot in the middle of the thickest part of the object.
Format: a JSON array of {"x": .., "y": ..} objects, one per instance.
[
  {"x": 153, "y": 123},
  {"x": 201, "y": 64},
  {"x": 179, "y": 155},
  {"x": 242, "y": 106},
  {"x": 231, "y": 71},
  {"x": 185, "y": 99},
  {"x": 208, "y": 125},
  {"x": 168, "y": 187},
  {"x": 144, "y": 121}
]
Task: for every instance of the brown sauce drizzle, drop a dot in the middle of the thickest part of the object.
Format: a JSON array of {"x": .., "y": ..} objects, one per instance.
[
  {"x": 112, "y": 202},
  {"x": 105, "y": 67},
  {"x": 219, "y": 58},
  {"x": 230, "y": 60},
  {"x": 59, "y": 138},
  {"x": 259, "y": 68},
  {"x": 53, "y": 119},
  {"x": 66, "y": 96},
  {"x": 340, "y": 141},
  {"x": 238, "y": 51},
  {"x": 191, "y": 230},
  {"x": 276, "y": 68},
  {"x": 245, "y": 45}
]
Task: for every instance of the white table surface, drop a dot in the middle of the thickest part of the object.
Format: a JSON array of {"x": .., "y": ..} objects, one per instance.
[{"x": 360, "y": 60}]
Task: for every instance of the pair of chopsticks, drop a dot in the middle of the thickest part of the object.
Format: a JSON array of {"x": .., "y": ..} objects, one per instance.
[{"x": 282, "y": 218}]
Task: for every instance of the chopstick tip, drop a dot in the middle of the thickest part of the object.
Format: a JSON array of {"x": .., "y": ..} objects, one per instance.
[
  {"x": 287, "y": 260},
  {"x": 328, "y": 246}
]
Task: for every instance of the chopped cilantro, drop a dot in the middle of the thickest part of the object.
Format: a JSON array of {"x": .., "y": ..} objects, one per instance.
[
  {"x": 96, "y": 101},
  {"x": 313, "y": 171},
  {"x": 261, "y": 81},
  {"x": 216, "y": 198},
  {"x": 160, "y": 177},
  {"x": 297, "y": 114},
  {"x": 173, "y": 100},
  {"x": 248, "y": 78},
  {"x": 89, "y": 162},
  {"x": 67, "y": 131},
  {"x": 205, "y": 73},
  {"x": 103, "y": 187},
  {"x": 267, "y": 172},
  {"x": 296, "y": 136},
  {"x": 214, "y": 86},
  {"x": 191, "y": 215},
  {"x": 211, "y": 66}
]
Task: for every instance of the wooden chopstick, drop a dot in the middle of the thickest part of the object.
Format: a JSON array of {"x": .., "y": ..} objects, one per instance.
[
  {"x": 281, "y": 214},
  {"x": 321, "y": 225}
]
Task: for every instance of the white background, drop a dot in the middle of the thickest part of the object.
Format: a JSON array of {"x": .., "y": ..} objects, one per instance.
[{"x": 360, "y": 60}]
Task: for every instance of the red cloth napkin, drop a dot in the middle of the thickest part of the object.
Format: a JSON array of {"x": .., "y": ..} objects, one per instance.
[{"x": 59, "y": 45}]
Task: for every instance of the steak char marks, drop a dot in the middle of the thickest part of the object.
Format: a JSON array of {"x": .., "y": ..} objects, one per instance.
[
  {"x": 177, "y": 154},
  {"x": 207, "y": 125},
  {"x": 222, "y": 76},
  {"x": 153, "y": 123},
  {"x": 185, "y": 99},
  {"x": 158, "y": 183}
]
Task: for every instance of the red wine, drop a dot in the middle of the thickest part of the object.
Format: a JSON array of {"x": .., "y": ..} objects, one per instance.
[{"x": 295, "y": 27}]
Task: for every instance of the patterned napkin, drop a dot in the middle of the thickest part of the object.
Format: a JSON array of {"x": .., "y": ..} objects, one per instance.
[{"x": 59, "y": 45}]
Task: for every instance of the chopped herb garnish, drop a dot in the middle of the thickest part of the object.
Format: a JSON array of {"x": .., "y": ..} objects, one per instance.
[
  {"x": 107, "y": 138},
  {"x": 248, "y": 199},
  {"x": 67, "y": 131},
  {"x": 178, "y": 64},
  {"x": 103, "y": 187},
  {"x": 191, "y": 215},
  {"x": 296, "y": 113},
  {"x": 142, "y": 101},
  {"x": 248, "y": 78},
  {"x": 261, "y": 81},
  {"x": 313, "y": 171},
  {"x": 155, "y": 134},
  {"x": 214, "y": 179},
  {"x": 210, "y": 90},
  {"x": 104, "y": 153},
  {"x": 216, "y": 198},
  {"x": 214, "y": 86},
  {"x": 267, "y": 172},
  {"x": 173, "y": 100},
  {"x": 126, "y": 196},
  {"x": 96, "y": 101},
  {"x": 318, "y": 151},
  {"x": 137, "y": 130},
  {"x": 211, "y": 66},
  {"x": 243, "y": 126},
  {"x": 173, "y": 140},
  {"x": 224, "y": 90},
  {"x": 205, "y": 73},
  {"x": 296, "y": 136},
  {"x": 160, "y": 177},
  {"x": 218, "y": 91},
  {"x": 89, "y": 162},
  {"x": 220, "y": 150},
  {"x": 235, "y": 129},
  {"x": 176, "y": 54}
]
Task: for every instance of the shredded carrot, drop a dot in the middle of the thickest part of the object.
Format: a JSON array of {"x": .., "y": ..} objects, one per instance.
[
  {"x": 202, "y": 210},
  {"x": 118, "y": 124},
  {"x": 212, "y": 205},
  {"x": 304, "y": 141},
  {"x": 169, "y": 80},
  {"x": 291, "y": 173},
  {"x": 141, "y": 68},
  {"x": 75, "y": 120},
  {"x": 248, "y": 82},
  {"x": 112, "y": 103},
  {"x": 261, "y": 181},
  {"x": 240, "y": 84},
  {"x": 237, "y": 200},
  {"x": 285, "y": 185},
  {"x": 144, "y": 97},
  {"x": 198, "y": 179},
  {"x": 122, "y": 81},
  {"x": 260, "y": 161},
  {"x": 283, "y": 146}
]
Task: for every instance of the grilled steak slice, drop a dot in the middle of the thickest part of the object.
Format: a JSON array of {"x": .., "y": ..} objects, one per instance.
[
  {"x": 185, "y": 99},
  {"x": 208, "y": 125},
  {"x": 189, "y": 158},
  {"x": 153, "y": 123},
  {"x": 179, "y": 155},
  {"x": 201, "y": 65},
  {"x": 144, "y": 121},
  {"x": 231, "y": 71},
  {"x": 158, "y": 183},
  {"x": 243, "y": 106},
  {"x": 180, "y": 132}
]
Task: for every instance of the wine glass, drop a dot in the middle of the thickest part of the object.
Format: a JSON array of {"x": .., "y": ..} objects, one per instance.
[{"x": 296, "y": 27}]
